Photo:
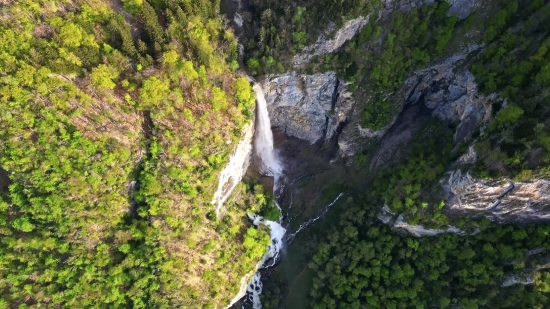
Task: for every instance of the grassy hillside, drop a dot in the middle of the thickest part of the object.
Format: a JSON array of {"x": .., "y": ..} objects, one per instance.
[{"x": 115, "y": 119}]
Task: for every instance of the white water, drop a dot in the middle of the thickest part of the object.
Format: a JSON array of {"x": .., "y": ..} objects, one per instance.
[
  {"x": 238, "y": 19},
  {"x": 263, "y": 141},
  {"x": 312, "y": 220},
  {"x": 271, "y": 166},
  {"x": 277, "y": 232}
]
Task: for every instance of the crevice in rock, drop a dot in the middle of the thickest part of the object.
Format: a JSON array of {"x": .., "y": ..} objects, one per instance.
[
  {"x": 325, "y": 128},
  {"x": 335, "y": 95}
]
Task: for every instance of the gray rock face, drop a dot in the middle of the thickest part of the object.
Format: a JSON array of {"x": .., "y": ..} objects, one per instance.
[
  {"x": 324, "y": 46},
  {"x": 451, "y": 93},
  {"x": 462, "y": 8},
  {"x": 309, "y": 107},
  {"x": 404, "y": 6},
  {"x": 501, "y": 201}
]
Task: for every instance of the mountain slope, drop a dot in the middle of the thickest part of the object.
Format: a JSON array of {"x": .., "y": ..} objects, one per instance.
[{"x": 116, "y": 118}]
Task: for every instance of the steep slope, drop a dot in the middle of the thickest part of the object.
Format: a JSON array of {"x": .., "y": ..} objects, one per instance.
[
  {"x": 116, "y": 120},
  {"x": 441, "y": 89}
]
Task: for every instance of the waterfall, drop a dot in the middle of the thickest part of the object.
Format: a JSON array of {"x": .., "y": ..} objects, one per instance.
[
  {"x": 277, "y": 232},
  {"x": 270, "y": 166},
  {"x": 263, "y": 141}
]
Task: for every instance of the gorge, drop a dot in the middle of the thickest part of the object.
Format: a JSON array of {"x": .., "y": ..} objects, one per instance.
[
  {"x": 323, "y": 110},
  {"x": 275, "y": 154}
]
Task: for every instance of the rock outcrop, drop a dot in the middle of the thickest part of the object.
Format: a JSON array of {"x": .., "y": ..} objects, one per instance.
[
  {"x": 450, "y": 91},
  {"x": 502, "y": 201},
  {"x": 324, "y": 46},
  {"x": 309, "y": 107},
  {"x": 388, "y": 217},
  {"x": 460, "y": 8},
  {"x": 235, "y": 169},
  {"x": 446, "y": 88}
]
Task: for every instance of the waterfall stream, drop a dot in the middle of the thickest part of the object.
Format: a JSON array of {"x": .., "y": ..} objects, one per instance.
[
  {"x": 312, "y": 220},
  {"x": 269, "y": 166},
  {"x": 263, "y": 140}
]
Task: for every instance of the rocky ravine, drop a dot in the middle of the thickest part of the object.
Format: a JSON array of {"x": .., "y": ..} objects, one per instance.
[{"x": 319, "y": 107}]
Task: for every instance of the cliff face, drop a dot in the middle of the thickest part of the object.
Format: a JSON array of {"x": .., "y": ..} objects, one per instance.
[
  {"x": 320, "y": 107},
  {"x": 324, "y": 46},
  {"x": 235, "y": 169},
  {"x": 309, "y": 107},
  {"x": 501, "y": 201},
  {"x": 451, "y": 93}
]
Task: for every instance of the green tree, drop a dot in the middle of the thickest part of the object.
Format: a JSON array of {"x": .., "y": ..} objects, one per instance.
[
  {"x": 23, "y": 224},
  {"x": 243, "y": 89},
  {"x": 70, "y": 35},
  {"x": 133, "y": 6},
  {"x": 189, "y": 71},
  {"x": 103, "y": 75},
  {"x": 219, "y": 101},
  {"x": 170, "y": 57},
  {"x": 543, "y": 77},
  {"x": 153, "y": 91},
  {"x": 254, "y": 65}
]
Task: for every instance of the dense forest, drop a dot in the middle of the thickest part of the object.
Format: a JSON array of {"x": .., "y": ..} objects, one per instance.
[
  {"x": 116, "y": 118},
  {"x": 355, "y": 261},
  {"x": 362, "y": 264}
]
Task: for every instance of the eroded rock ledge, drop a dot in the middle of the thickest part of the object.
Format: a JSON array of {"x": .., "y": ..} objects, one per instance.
[{"x": 499, "y": 200}]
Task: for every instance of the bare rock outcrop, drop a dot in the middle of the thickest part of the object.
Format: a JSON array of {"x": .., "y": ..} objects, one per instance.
[
  {"x": 309, "y": 107},
  {"x": 461, "y": 8},
  {"x": 451, "y": 92},
  {"x": 499, "y": 200},
  {"x": 324, "y": 46}
]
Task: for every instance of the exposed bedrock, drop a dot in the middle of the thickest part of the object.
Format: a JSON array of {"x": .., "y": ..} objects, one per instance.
[
  {"x": 499, "y": 200},
  {"x": 451, "y": 92},
  {"x": 309, "y": 107}
]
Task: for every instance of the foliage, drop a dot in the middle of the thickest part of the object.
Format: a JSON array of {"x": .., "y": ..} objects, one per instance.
[
  {"x": 361, "y": 264},
  {"x": 280, "y": 29},
  {"x": 412, "y": 187},
  {"x": 380, "y": 59},
  {"x": 515, "y": 64},
  {"x": 102, "y": 76},
  {"x": 113, "y": 150}
]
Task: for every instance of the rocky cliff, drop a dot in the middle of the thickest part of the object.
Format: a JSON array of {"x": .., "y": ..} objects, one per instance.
[
  {"x": 235, "y": 169},
  {"x": 309, "y": 107},
  {"x": 320, "y": 106},
  {"x": 499, "y": 200},
  {"x": 450, "y": 92},
  {"x": 325, "y": 46}
]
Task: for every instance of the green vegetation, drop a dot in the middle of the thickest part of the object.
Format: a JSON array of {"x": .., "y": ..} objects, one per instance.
[
  {"x": 279, "y": 27},
  {"x": 516, "y": 65},
  {"x": 384, "y": 54},
  {"x": 115, "y": 124},
  {"x": 412, "y": 188},
  {"x": 361, "y": 264}
]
